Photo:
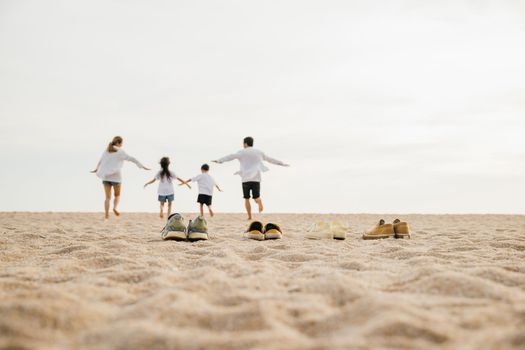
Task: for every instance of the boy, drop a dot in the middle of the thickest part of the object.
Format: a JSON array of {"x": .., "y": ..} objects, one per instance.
[
  {"x": 252, "y": 166},
  {"x": 206, "y": 184}
]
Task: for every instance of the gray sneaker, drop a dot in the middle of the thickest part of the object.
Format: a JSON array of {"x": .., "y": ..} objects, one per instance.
[
  {"x": 198, "y": 229},
  {"x": 175, "y": 228}
]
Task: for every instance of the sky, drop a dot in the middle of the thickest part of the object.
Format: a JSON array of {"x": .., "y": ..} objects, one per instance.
[{"x": 379, "y": 106}]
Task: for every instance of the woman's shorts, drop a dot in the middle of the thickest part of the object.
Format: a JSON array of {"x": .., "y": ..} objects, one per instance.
[
  {"x": 110, "y": 183},
  {"x": 168, "y": 198},
  {"x": 204, "y": 199},
  {"x": 253, "y": 187}
]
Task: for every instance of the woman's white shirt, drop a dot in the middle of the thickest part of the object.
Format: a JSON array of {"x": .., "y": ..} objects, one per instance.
[{"x": 110, "y": 165}]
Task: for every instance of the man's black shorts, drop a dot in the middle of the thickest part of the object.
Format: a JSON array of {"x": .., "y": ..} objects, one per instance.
[
  {"x": 254, "y": 187},
  {"x": 204, "y": 199}
]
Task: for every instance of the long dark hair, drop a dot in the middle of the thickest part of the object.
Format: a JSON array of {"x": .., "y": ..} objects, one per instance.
[
  {"x": 117, "y": 141},
  {"x": 165, "y": 164}
]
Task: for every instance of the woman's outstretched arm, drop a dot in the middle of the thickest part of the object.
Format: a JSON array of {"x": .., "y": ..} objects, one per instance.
[
  {"x": 98, "y": 164},
  {"x": 133, "y": 160}
]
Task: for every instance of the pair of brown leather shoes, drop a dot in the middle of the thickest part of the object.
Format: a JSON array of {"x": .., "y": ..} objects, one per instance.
[{"x": 397, "y": 229}]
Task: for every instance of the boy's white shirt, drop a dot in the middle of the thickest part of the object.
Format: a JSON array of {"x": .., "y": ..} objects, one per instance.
[
  {"x": 110, "y": 165},
  {"x": 165, "y": 185},
  {"x": 206, "y": 183},
  {"x": 251, "y": 162}
]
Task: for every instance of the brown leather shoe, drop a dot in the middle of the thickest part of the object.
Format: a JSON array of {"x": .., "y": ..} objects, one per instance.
[
  {"x": 401, "y": 229},
  {"x": 381, "y": 230}
]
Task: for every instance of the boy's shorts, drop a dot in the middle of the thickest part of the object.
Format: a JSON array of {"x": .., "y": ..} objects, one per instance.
[
  {"x": 110, "y": 183},
  {"x": 204, "y": 199},
  {"x": 254, "y": 187},
  {"x": 167, "y": 198}
]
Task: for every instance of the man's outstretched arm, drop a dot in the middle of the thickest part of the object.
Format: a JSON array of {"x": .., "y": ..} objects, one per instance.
[
  {"x": 274, "y": 161},
  {"x": 227, "y": 158}
]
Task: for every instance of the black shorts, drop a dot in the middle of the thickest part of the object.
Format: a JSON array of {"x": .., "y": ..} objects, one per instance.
[
  {"x": 204, "y": 199},
  {"x": 254, "y": 187}
]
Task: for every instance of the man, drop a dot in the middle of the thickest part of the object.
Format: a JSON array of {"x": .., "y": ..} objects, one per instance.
[{"x": 252, "y": 166}]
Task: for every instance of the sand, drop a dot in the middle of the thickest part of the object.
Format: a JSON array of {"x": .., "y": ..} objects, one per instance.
[{"x": 71, "y": 281}]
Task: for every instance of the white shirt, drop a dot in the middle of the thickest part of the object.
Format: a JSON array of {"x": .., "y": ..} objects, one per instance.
[
  {"x": 165, "y": 184},
  {"x": 110, "y": 165},
  {"x": 206, "y": 183},
  {"x": 251, "y": 161}
]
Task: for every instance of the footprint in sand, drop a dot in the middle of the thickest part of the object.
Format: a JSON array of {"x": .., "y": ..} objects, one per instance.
[{"x": 68, "y": 250}]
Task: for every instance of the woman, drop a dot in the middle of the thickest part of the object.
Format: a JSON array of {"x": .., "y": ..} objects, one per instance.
[{"x": 109, "y": 170}]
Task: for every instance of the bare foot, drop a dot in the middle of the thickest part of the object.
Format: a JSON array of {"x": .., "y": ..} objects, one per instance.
[
  {"x": 117, "y": 213},
  {"x": 249, "y": 218},
  {"x": 162, "y": 215},
  {"x": 106, "y": 217},
  {"x": 261, "y": 208}
]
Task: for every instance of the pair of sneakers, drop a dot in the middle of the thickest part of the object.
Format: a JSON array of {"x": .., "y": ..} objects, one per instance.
[
  {"x": 397, "y": 229},
  {"x": 259, "y": 232},
  {"x": 330, "y": 230},
  {"x": 176, "y": 229}
]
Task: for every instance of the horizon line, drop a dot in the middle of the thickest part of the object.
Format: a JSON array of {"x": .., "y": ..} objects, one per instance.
[{"x": 271, "y": 213}]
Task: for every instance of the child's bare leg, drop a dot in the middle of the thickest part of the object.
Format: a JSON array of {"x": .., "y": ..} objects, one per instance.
[
  {"x": 248, "y": 208},
  {"x": 211, "y": 211},
  {"x": 260, "y": 204},
  {"x": 201, "y": 207},
  {"x": 107, "y": 191},
  {"x": 169, "y": 208},
  {"x": 161, "y": 210},
  {"x": 116, "y": 189}
]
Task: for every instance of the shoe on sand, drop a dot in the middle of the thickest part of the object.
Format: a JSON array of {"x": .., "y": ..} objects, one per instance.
[
  {"x": 272, "y": 231},
  {"x": 175, "y": 228},
  {"x": 338, "y": 230},
  {"x": 255, "y": 231},
  {"x": 319, "y": 230},
  {"x": 198, "y": 229},
  {"x": 381, "y": 230},
  {"x": 401, "y": 229}
]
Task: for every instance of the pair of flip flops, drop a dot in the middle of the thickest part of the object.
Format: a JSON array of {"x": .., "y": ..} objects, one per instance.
[
  {"x": 397, "y": 229},
  {"x": 259, "y": 232},
  {"x": 176, "y": 229},
  {"x": 329, "y": 230}
]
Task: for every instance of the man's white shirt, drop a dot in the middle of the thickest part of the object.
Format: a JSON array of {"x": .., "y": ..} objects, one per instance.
[{"x": 251, "y": 163}]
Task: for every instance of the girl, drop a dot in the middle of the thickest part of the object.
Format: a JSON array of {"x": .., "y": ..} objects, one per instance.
[
  {"x": 165, "y": 177},
  {"x": 109, "y": 170}
]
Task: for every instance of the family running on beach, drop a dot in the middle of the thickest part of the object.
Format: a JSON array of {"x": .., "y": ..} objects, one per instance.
[{"x": 109, "y": 169}]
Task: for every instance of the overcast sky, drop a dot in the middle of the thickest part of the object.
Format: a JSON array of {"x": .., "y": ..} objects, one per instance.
[{"x": 379, "y": 106}]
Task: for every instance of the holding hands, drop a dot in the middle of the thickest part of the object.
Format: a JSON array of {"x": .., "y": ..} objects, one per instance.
[{"x": 182, "y": 182}]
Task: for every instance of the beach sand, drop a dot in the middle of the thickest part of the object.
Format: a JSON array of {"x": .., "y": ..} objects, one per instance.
[{"x": 73, "y": 281}]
